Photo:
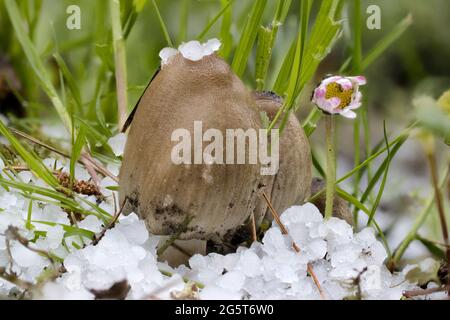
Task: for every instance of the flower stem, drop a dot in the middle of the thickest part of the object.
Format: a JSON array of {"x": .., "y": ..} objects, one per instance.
[{"x": 331, "y": 165}]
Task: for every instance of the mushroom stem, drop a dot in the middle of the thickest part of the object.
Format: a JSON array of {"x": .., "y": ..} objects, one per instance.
[{"x": 331, "y": 165}]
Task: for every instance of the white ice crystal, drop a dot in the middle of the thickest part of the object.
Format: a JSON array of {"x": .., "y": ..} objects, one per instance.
[
  {"x": 117, "y": 143},
  {"x": 192, "y": 50}
]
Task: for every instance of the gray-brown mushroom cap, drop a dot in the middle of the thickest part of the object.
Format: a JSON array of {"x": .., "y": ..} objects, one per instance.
[{"x": 291, "y": 185}]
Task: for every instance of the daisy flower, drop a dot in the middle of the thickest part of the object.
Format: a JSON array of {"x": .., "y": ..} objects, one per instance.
[{"x": 339, "y": 95}]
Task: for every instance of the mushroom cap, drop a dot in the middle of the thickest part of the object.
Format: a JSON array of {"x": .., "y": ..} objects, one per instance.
[
  {"x": 292, "y": 184},
  {"x": 219, "y": 197}
]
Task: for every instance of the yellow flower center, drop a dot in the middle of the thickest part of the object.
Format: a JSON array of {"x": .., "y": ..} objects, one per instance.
[{"x": 334, "y": 90}]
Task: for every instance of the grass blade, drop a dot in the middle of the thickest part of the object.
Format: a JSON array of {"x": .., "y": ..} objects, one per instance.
[
  {"x": 386, "y": 42},
  {"x": 202, "y": 34},
  {"x": 383, "y": 181},
  {"x": 162, "y": 24},
  {"x": 248, "y": 37},
  {"x": 31, "y": 159},
  {"x": 36, "y": 63},
  {"x": 120, "y": 63}
]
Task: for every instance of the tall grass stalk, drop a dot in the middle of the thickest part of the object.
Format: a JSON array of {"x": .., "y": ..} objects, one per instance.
[{"x": 120, "y": 62}]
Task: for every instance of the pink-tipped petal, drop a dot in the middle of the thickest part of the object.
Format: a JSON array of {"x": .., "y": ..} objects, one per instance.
[
  {"x": 359, "y": 80},
  {"x": 346, "y": 84},
  {"x": 320, "y": 92},
  {"x": 334, "y": 105},
  {"x": 348, "y": 114},
  {"x": 329, "y": 80}
]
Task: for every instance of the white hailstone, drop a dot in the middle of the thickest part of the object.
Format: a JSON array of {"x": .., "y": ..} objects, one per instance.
[
  {"x": 273, "y": 241},
  {"x": 133, "y": 229},
  {"x": 339, "y": 234},
  {"x": 213, "y": 292},
  {"x": 24, "y": 257},
  {"x": 105, "y": 183},
  {"x": 249, "y": 264},
  {"x": 233, "y": 281},
  {"x": 301, "y": 214},
  {"x": 317, "y": 249},
  {"x": 113, "y": 168},
  {"x": 57, "y": 291},
  {"x": 9, "y": 219},
  {"x": 25, "y": 176},
  {"x": 52, "y": 213},
  {"x": 8, "y": 200},
  {"x": 285, "y": 273},
  {"x": 370, "y": 280},
  {"x": 212, "y": 45},
  {"x": 56, "y": 131},
  {"x": 81, "y": 173},
  {"x": 376, "y": 253},
  {"x": 117, "y": 143},
  {"x": 91, "y": 223},
  {"x": 192, "y": 50},
  {"x": 53, "y": 238},
  {"x": 166, "y": 53},
  {"x": 366, "y": 237},
  {"x": 197, "y": 262}
]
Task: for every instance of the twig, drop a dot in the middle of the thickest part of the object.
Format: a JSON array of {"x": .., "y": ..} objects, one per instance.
[
  {"x": 423, "y": 292},
  {"x": 12, "y": 233},
  {"x": 440, "y": 206},
  {"x": 254, "y": 237},
  {"x": 99, "y": 167},
  {"x": 11, "y": 277},
  {"x": 284, "y": 231},
  {"x": 110, "y": 225}
]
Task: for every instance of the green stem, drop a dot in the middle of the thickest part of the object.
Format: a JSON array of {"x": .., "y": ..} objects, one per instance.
[{"x": 331, "y": 165}]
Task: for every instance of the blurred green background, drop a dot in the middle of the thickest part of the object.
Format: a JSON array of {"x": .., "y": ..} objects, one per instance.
[{"x": 418, "y": 62}]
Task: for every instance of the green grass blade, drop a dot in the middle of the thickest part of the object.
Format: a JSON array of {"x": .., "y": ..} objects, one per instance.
[
  {"x": 225, "y": 32},
  {"x": 77, "y": 148},
  {"x": 248, "y": 37},
  {"x": 33, "y": 162},
  {"x": 383, "y": 181},
  {"x": 120, "y": 63},
  {"x": 263, "y": 53},
  {"x": 202, "y": 34},
  {"x": 386, "y": 42},
  {"x": 36, "y": 63},
  {"x": 162, "y": 24},
  {"x": 73, "y": 87},
  {"x": 266, "y": 41}
]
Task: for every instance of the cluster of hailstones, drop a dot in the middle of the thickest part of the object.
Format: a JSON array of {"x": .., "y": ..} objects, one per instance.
[{"x": 270, "y": 269}]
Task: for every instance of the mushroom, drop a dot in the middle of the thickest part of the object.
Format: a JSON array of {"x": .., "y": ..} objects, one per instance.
[
  {"x": 291, "y": 185},
  {"x": 218, "y": 198}
]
